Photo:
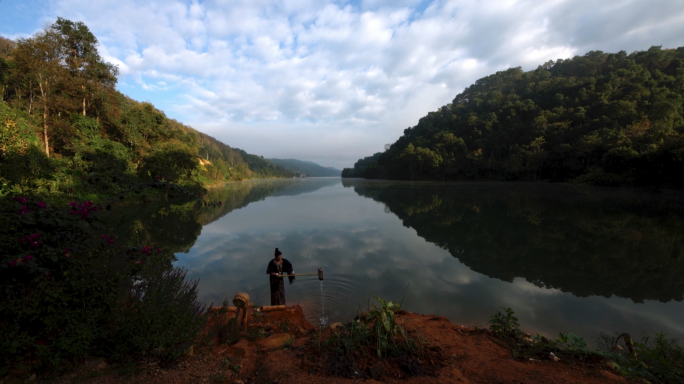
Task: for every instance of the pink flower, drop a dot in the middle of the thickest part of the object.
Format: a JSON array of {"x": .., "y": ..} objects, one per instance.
[
  {"x": 201, "y": 196},
  {"x": 73, "y": 203},
  {"x": 158, "y": 250},
  {"x": 158, "y": 177},
  {"x": 35, "y": 244},
  {"x": 28, "y": 258},
  {"x": 22, "y": 240},
  {"x": 12, "y": 264},
  {"x": 66, "y": 249},
  {"x": 40, "y": 204},
  {"x": 21, "y": 200},
  {"x": 220, "y": 203},
  {"x": 110, "y": 241},
  {"x": 103, "y": 237}
]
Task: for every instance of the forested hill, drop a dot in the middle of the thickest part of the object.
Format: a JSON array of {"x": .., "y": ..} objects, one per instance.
[
  {"x": 65, "y": 128},
  {"x": 307, "y": 168},
  {"x": 601, "y": 118}
]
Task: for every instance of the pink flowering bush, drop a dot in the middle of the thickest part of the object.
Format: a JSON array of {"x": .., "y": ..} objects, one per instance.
[{"x": 70, "y": 289}]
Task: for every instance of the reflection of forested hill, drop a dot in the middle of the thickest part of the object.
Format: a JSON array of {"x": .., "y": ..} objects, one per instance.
[
  {"x": 175, "y": 226},
  {"x": 306, "y": 186},
  {"x": 585, "y": 241}
]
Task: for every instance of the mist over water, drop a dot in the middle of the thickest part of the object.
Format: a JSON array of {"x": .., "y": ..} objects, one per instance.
[{"x": 565, "y": 258}]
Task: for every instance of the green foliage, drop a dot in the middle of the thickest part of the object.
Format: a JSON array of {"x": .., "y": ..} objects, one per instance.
[
  {"x": 355, "y": 335},
  {"x": 659, "y": 361},
  {"x": 58, "y": 98},
  {"x": 504, "y": 323},
  {"x": 608, "y": 119},
  {"x": 71, "y": 289},
  {"x": 656, "y": 360},
  {"x": 377, "y": 329},
  {"x": 160, "y": 318}
]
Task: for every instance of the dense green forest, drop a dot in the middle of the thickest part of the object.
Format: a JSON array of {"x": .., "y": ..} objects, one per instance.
[
  {"x": 601, "y": 118},
  {"x": 66, "y": 130},
  {"x": 308, "y": 168}
]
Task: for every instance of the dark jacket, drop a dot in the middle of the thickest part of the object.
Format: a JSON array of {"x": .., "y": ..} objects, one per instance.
[{"x": 273, "y": 268}]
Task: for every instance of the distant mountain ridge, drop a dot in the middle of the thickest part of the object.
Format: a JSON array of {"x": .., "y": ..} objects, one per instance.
[{"x": 308, "y": 168}]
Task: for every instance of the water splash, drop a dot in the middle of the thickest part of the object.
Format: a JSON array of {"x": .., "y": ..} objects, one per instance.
[{"x": 323, "y": 319}]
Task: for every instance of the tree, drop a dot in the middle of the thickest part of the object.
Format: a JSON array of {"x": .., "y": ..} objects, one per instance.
[
  {"x": 39, "y": 59},
  {"x": 82, "y": 58}
]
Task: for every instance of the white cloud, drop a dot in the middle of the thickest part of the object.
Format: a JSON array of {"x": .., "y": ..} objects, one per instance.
[{"x": 335, "y": 81}]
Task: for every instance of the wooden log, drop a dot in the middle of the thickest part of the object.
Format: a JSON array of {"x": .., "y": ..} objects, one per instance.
[
  {"x": 273, "y": 308},
  {"x": 230, "y": 309}
]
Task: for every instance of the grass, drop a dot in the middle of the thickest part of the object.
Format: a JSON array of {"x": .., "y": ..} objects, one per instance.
[{"x": 653, "y": 360}]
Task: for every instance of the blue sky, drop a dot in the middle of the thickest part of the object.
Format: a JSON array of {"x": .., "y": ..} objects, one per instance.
[{"x": 334, "y": 81}]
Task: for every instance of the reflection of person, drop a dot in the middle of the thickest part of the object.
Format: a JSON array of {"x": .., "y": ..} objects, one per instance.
[{"x": 275, "y": 269}]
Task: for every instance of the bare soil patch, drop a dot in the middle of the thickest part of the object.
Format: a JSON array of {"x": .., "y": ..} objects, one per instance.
[{"x": 451, "y": 354}]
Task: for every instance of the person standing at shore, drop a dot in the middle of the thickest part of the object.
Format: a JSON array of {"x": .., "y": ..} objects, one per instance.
[{"x": 275, "y": 270}]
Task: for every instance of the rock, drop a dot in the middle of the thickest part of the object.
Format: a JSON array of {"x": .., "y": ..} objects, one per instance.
[
  {"x": 335, "y": 326},
  {"x": 274, "y": 341},
  {"x": 610, "y": 376},
  {"x": 31, "y": 379},
  {"x": 238, "y": 382},
  {"x": 378, "y": 371},
  {"x": 97, "y": 364}
]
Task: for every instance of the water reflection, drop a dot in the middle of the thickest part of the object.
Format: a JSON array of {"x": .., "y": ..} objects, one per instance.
[{"x": 565, "y": 258}]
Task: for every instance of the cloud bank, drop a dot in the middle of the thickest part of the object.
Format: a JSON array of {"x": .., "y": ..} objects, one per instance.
[{"x": 334, "y": 81}]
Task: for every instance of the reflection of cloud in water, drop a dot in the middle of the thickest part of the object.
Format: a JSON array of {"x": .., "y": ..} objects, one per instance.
[{"x": 366, "y": 251}]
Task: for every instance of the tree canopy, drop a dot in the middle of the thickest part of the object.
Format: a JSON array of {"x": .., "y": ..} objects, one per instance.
[
  {"x": 602, "y": 118},
  {"x": 74, "y": 132}
]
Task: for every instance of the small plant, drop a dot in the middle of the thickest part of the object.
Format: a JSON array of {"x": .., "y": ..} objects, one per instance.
[
  {"x": 570, "y": 341},
  {"x": 653, "y": 360},
  {"x": 505, "y": 324},
  {"x": 233, "y": 366},
  {"x": 255, "y": 333},
  {"x": 288, "y": 342},
  {"x": 377, "y": 329}
]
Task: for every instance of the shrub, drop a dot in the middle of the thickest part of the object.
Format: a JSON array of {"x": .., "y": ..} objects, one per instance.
[
  {"x": 68, "y": 290},
  {"x": 160, "y": 318}
]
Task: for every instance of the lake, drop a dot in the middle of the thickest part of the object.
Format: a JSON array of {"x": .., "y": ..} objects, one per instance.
[{"x": 564, "y": 257}]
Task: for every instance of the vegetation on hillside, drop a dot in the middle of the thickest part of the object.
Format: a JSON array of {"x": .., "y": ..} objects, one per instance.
[
  {"x": 308, "y": 168},
  {"x": 66, "y": 129},
  {"x": 602, "y": 118}
]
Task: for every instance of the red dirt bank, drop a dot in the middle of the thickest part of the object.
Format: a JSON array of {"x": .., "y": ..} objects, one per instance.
[{"x": 456, "y": 355}]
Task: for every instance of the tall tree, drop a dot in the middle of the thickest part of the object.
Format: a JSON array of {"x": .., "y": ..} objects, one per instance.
[
  {"x": 83, "y": 60},
  {"x": 39, "y": 59},
  {"x": 7, "y": 47}
]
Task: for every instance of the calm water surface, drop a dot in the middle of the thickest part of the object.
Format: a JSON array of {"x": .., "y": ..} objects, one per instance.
[{"x": 565, "y": 258}]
